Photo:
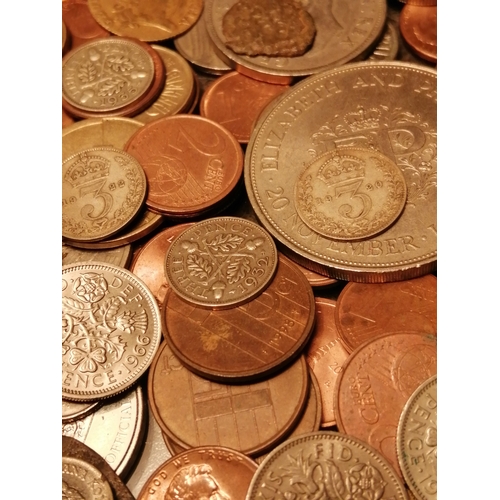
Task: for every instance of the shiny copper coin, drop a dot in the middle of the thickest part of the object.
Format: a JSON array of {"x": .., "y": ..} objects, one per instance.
[
  {"x": 80, "y": 479},
  {"x": 247, "y": 342},
  {"x": 119, "y": 256},
  {"x": 191, "y": 163},
  {"x": 388, "y": 47},
  {"x": 235, "y": 101},
  {"x": 149, "y": 262},
  {"x": 418, "y": 25},
  {"x": 173, "y": 447},
  {"x": 376, "y": 381},
  {"x": 206, "y": 472},
  {"x": 368, "y": 310},
  {"x": 221, "y": 262},
  {"x": 326, "y": 355},
  {"x": 249, "y": 418},
  {"x": 103, "y": 189},
  {"x": 71, "y": 410}
]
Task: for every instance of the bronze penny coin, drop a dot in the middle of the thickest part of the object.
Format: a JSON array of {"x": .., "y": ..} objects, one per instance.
[
  {"x": 80, "y": 479},
  {"x": 249, "y": 418},
  {"x": 66, "y": 39},
  {"x": 66, "y": 119},
  {"x": 315, "y": 279},
  {"x": 110, "y": 330},
  {"x": 221, "y": 262},
  {"x": 418, "y": 25},
  {"x": 368, "y": 310},
  {"x": 206, "y": 472},
  {"x": 247, "y": 342},
  {"x": 325, "y": 355},
  {"x": 375, "y": 383},
  {"x": 103, "y": 189},
  {"x": 325, "y": 465},
  {"x": 191, "y": 163}
]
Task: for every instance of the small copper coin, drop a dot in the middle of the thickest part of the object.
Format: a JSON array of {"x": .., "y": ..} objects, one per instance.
[
  {"x": 221, "y": 262},
  {"x": 249, "y": 418},
  {"x": 375, "y": 384},
  {"x": 80, "y": 479},
  {"x": 326, "y": 355},
  {"x": 248, "y": 342},
  {"x": 236, "y": 101},
  {"x": 191, "y": 163},
  {"x": 110, "y": 330},
  {"x": 149, "y": 263},
  {"x": 66, "y": 119},
  {"x": 368, "y": 310},
  {"x": 206, "y": 472},
  {"x": 103, "y": 189},
  {"x": 315, "y": 279},
  {"x": 418, "y": 26}
]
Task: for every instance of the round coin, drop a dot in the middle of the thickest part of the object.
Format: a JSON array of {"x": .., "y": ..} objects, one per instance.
[
  {"x": 350, "y": 193},
  {"x": 103, "y": 189},
  {"x": 221, "y": 262},
  {"x": 119, "y": 256},
  {"x": 388, "y": 47},
  {"x": 418, "y": 25},
  {"x": 82, "y": 480},
  {"x": 72, "y": 410},
  {"x": 325, "y": 465},
  {"x": 417, "y": 441},
  {"x": 111, "y": 330}
]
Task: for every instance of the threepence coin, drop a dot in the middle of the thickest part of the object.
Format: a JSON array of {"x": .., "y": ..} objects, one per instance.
[
  {"x": 417, "y": 441},
  {"x": 111, "y": 330},
  {"x": 221, "y": 262},
  {"x": 80, "y": 479},
  {"x": 103, "y": 189}
]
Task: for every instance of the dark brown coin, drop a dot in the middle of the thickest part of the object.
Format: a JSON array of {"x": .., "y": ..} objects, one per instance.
[
  {"x": 365, "y": 311},
  {"x": 418, "y": 25},
  {"x": 247, "y": 342},
  {"x": 249, "y": 418}
]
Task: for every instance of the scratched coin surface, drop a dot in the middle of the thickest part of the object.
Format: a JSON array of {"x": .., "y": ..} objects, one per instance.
[
  {"x": 375, "y": 383},
  {"x": 206, "y": 472},
  {"x": 103, "y": 189},
  {"x": 221, "y": 262},
  {"x": 80, "y": 479},
  {"x": 247, "y": 342},
  {"x": 111, "y": 330},
  {"x": 386, "y": 106},
  {"x": 417, "y": 441},
  {"x": 326, "y": 465},
  {"x": 350, "y": 193}
]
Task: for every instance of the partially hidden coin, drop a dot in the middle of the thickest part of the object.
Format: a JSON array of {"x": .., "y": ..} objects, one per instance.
[
  {"x": 221, "y": 262},
  {"x": 247, "y": 342},
  {"x": 418, "y": 25},
  {"x": 103, "y": 189},
  {"x": 66, "y": 39},
  {"x": 111, "y": 330},
  {"x": 71, "y": 410},
  {"x": 205, "y": 472},
  {"x": 417, "y": 441},
  {"x": 119, "y": 256},
  {"x": 81, "y": 479},
  {"x": 375, "y": 383},
  {"x": 388, "y": 47},
  {"x": 249, "y": 418},
  {"x": 327, "y": 465}
]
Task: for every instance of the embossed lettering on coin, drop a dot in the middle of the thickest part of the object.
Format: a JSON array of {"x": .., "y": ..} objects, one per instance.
[{"x": 81, "y": 480}]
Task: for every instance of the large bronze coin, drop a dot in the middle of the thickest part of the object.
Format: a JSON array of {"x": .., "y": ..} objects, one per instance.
[
  {"x": 247, "y": 342},
  {"x": 389, "y": 107},
  {"x": 110, "y": 330}
]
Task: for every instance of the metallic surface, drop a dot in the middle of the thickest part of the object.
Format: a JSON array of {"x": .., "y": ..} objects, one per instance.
[
  {"x": 71, "y": 410},
  {"x": 418, "y": 25},
  {"x": 388, "y": 46},
  {"x": 81, "y": 479},
  {"x": 119, "y": 256}
]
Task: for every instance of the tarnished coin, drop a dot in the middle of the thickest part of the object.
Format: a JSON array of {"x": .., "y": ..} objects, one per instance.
[
  {"x": 325, "y": 465},
  {"x": 375, "y": 383},
  {"x": 418, "y": 25},
  {"x": 110, "y": 330},
  {"x": 81, "y": 479},
  {"x": 103, "y": 189},
  {"x": 206, "y": 472},
  {"x": 388, "y": 47},
  {"x": 417, "y": 441},
  {"x": 350, "y": 193},
  {"x": 248, "y": 342},
  {"x": 118, "y": 256},
  {"x": 221, "y": 262},
  {"x": 66, "y": 39}
]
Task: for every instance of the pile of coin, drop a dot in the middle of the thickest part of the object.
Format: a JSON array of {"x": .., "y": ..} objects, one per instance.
[{"x": 249, "y": 254}]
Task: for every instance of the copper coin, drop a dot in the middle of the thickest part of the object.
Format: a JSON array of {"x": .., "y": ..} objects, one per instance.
[
  {"x": 315, "y": 279},
  {"x": 235, "y": 101},
  {"x": 368, "y": 310},
  {"x": 326, "y": 355},
  {"x": 247, "y": 342},
  {"x": 418, "y": 25},
  {"x": 249, "y": 418},
  {"x": 206, "y": 472},
  {"x": 173, "y": 447},
  {"x": 66, "y": 119},
  {"x": 149, "y": 263},
  {"x": 221, "y": 262},
  {"x": 191, "y": 163},
  {"x": 375, "y": 384},
  {"x": 66, "y": 39}
]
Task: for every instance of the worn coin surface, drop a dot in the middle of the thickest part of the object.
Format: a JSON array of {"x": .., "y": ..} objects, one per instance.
[
  {"x": 103, "y": 189},
  {"x": 81, "y": 479},
  {"x": 221, "y": 262},
  {"x": 325, "y": 465},
  {"x": 111, "y": 330},
  {"x": 389, "y": 107},
  {"x": 417, "y": 441}
]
